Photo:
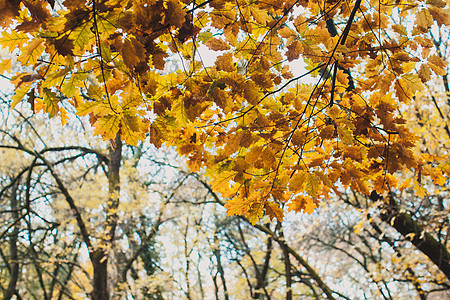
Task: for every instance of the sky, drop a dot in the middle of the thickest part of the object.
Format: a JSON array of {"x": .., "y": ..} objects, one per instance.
[{"x": 4, "y": 83}]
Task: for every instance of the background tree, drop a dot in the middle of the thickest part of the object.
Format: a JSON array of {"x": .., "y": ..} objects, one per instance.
[{"x": 60, "y": 212}]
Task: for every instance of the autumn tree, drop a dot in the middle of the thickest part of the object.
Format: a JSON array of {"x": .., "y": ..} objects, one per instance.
[
  {"x": 270, "y": 136},
  {"x": 43, "y": 251},
  {"x": 245, "y": 261}
]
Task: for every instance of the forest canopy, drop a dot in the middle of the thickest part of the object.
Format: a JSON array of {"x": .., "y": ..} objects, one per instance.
[{"x": 265, "y": 138}]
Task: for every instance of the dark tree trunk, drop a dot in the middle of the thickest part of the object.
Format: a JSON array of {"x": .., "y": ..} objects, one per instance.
[
  {"x": 287, "y": 265},
  {"x": 99, "y": 257},
  {"x": 424, "y": 241},
  {"x": 100, "y": 283},
  {"x": 221, "y": 271},
  {"x": 261, "y": 280},
  {"x": 13, "y": 253}
]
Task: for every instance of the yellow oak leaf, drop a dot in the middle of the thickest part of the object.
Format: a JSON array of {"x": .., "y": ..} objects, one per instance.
[
  {"x": 286, "y": 32},
  {"x": 251, "y": 92},
  {"x": 19, "y": 94},
  {"x": 107, "y": 126},
  {"x": 424, "y": 73},
  {"x": 5, "y": 65},
  {"x": 132, "y": 128},
  {"x": 161, "y": 129},
  {"x": 86, "y": 107},
  {"x": 238, "y": 206},
  {"x": 436, "y": 3},
  {"x": 70, "y": 86},
  {"x": 31, "y": 52},
  {"x": 255, "y": 212},
  {"x": 345, "y": 135},
  {"x": 51, "y": 101},
  {"x": 259, "y": 15},
  {"x": 294, "y": 50},
  {"x": 333, "y": 112},
  {"x": 64, "y": 116},
  {"x": 419, "y": 190},
  {"x": 13, "y": 40},
  {"x": 95, "y": 91},
  {"x": 312, "y": 184},
  {"x": 400, "y": 29},
  {"x": 327, "y": 132},
  {"x": 298, "y": 138},
  {"x": 268, "y": 157},
  {"x": 297, "y": 181},
  {"x": 273, "y": 210},
  {"x": 38, "y": 105},
  {"x": 440, "y": 15},
  {"x": 82, "y": 38},
  {"x": 437, "y": 64},
  {"x": 412, "y": 82},
  {"x": 133, "y": 52},
  {"x": 178, "y": 111},
  {"x": 253, "y": 154},
  {"x": 302, "y": 203},
  {"x": 423, "y": 20},
  {"x": 286, "y": 73}
]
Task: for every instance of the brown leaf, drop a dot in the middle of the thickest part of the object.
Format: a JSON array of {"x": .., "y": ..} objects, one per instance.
[
  {"x": 217, "y": 45},
  {"x": 64, "y": 46},
  {"x": 9, "y": 10},
  {"x": 225, "y": 62},
  {"x": 441, "y": 16},
  {"x": 187, "y": 30},
  {"x": 294, "y": 50}
]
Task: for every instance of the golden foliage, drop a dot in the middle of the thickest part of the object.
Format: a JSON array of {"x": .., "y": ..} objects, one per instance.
[{"x": 266, "y": 137}]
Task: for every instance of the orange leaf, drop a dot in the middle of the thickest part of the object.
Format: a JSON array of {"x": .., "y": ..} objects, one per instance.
[
  {"x": 217, "y": 45},
  {"x": 294, "y": 50},
  {"x": 225, "y": 62},
  {"x": 274, "y": 210}
]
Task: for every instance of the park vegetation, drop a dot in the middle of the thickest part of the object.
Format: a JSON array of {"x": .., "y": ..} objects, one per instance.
[{"x": 308, "y": 159}]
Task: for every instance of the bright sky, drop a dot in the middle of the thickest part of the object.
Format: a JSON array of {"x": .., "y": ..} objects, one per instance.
[{"x": 4, "y": 83}]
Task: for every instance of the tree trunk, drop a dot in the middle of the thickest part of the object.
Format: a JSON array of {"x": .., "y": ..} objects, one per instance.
[
  {"x": 100, "y": 283},
  {"x": 13, "y": 253},
  {"x": 99, "y": 257},
  {"x": 261, "y": 280},
  {"x": 115, "y": 159},
  {"x": 424, "y": 241},
  {"x": 287, "y": 264},
  {"x": 220, "y": 268}
]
